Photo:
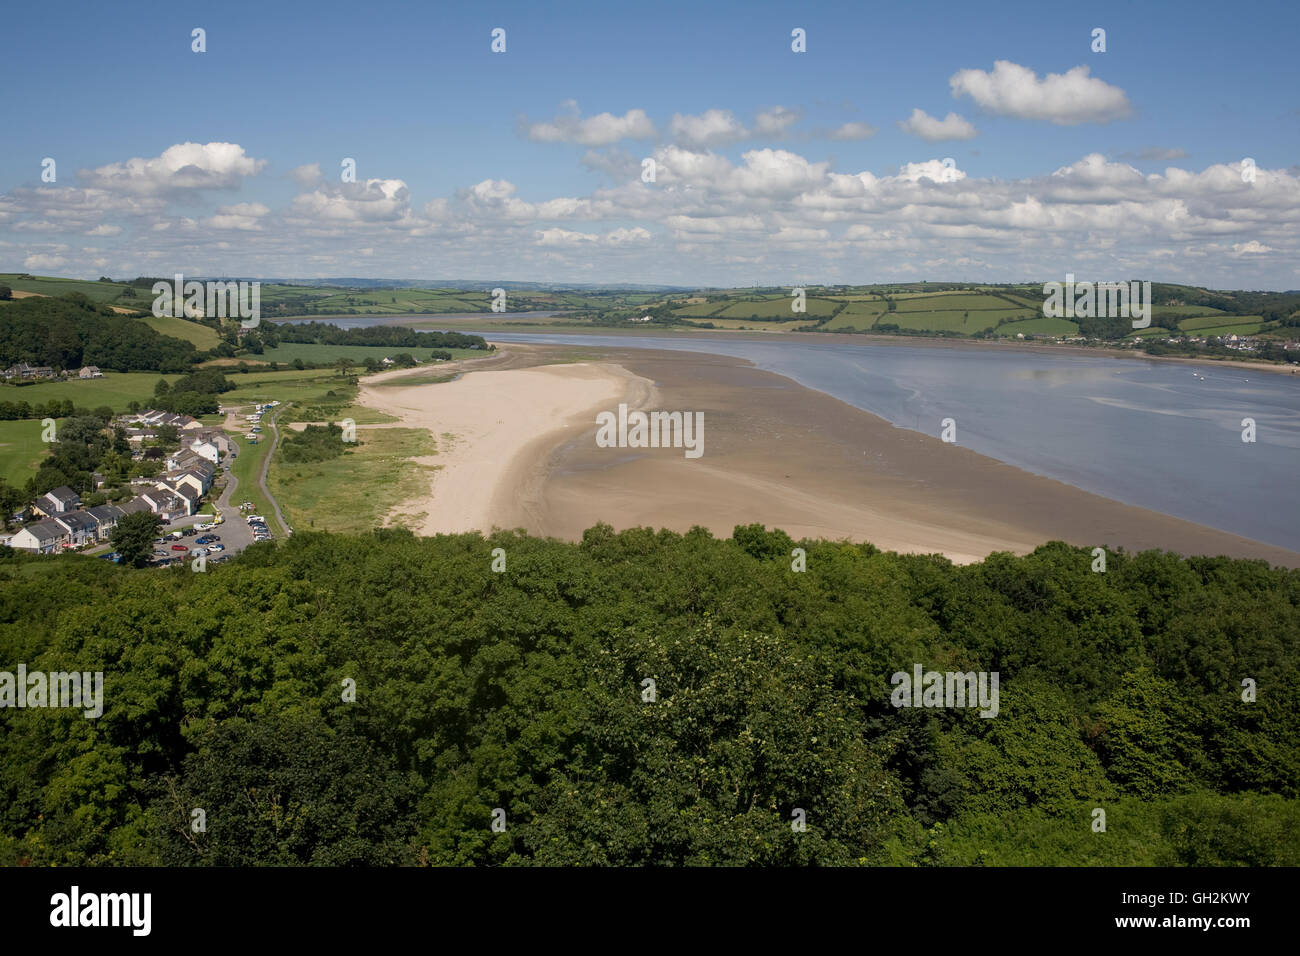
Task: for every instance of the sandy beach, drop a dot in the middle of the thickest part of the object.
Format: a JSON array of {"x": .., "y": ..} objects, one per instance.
[
  {"x": 517, "y": 448},
  {"x": 492, "y": 427}
]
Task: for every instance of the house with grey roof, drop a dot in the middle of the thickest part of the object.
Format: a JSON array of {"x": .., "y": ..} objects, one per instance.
[
  {"x": 56, "y": 502},
  {"x": 134, "y": 506},
  {"x": 82, "y": 528},
  {"x": 166, "y": 504},
  {"x": 40, "y": 537},
  {"x": 106, "y": 517}
]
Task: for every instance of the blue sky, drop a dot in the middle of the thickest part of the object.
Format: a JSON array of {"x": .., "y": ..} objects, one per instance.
[{"x": 459, "y": 174}]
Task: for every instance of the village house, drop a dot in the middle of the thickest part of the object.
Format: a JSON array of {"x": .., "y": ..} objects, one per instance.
[
  {"x": 82, "y": 528},
  {"x": 216, "y": 437},
  {"x": 191, "y": 478},
  {"x": 24, "y": 372},
  {"x": 205, "y": 449},
  {"x": 166, "y": 504},
  {"x": 134, "y": 506},
  {"x": 106, "y": 518},
  {"x": 40, "y": 537},
  {"x": 56, "y": 502},
  {"x": 90, "y": 371}
]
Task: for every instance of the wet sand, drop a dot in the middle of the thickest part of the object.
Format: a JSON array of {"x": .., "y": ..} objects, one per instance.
[{"x": 776, "y": 453}]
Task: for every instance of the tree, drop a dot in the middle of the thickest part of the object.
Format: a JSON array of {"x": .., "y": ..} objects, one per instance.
[
  {"x": 133, "y": 407},
  {"x": 133, "y": 537},
  {"x": 6, "y": 292},
  {"x": 11, "y": 499}
]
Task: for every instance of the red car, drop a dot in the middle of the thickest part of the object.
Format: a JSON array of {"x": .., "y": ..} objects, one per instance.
[{"x": 179, "y": 547}]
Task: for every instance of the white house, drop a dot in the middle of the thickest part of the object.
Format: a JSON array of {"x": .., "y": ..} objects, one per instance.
[
  {"x": 58, "y": 501},
  {"x": 205, "y": 449},
  {"x": 81, "y": 527},
  {"x": 90, "y": 371},
  {"x": 40, "y": 537}
]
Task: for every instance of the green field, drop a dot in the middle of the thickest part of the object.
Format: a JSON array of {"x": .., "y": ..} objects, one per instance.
[
  {"x": 949, "y": 303},
  {"x": 355, "y": 492},
  {"x": 289, "y": 385},
  {"x": 1184, "y": 311},
  {"x": 760, "y": 325},
  {"x": 1249, "y": 328},
  {"x": 115, "y": 389},
  {"x": 203, "y": 337},
  {"x": 777, "y": 308},
  {"x": 1218, "y": 322},
  {"x": 21, "y": 450},
  {"x": 949, "y": 321},
  {"x": 1039, "y": 326},
  {"x": 246, "y": 467},
  {"x": 700, "y": 310},
  {"x": 108, "y": 292},
  {"x": 860, "y": 315}
]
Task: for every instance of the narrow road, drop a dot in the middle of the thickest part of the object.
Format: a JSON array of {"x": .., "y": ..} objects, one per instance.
[{"x": 266, "y": 469}]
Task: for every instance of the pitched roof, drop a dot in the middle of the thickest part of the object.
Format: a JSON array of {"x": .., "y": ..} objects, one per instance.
[
  {"x": 102, "y": 513},
  {"x": 77, "y": 521},
  {"x": 46, "y": 530},
  {"x": 63, "y": 493}
]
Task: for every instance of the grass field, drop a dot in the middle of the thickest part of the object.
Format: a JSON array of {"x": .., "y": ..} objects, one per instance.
[
  {"x": 97, "y": 291},
  {"x": 354, "y": 493},
  {"x": 115, "y": 389},
  {"x": 699, "y": 310},
  {"x": 246, "y": 467},
  {"x": 1249, "y": 328},
  {"x": 203, "y": 337},
  {"x": 759, "y": 324},
  {"x": 1039, "y": 326},
  {"x": 951, "y": 303},
  {"x": 1184, "y": 311},
  {"x": 21, "y": 450},
  {"x": 1200, "y": 325},
  {"x": 290, "y": 385},
  {"x": 949, "y": 321},
  {"x": 777, "y": 308},
  {"x": 860, "y": 315}
]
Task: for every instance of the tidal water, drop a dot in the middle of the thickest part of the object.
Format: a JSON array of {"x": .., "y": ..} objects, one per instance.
[{"x": 1163, "y": 435}]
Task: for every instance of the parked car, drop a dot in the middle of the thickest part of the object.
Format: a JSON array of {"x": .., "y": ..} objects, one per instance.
[
  {"x": 203, "y": 540},
  {"x": 198, "y": 552},
  {"x": 176, "y": 534},
  {"x": 202, "y": 526},
  {"x": 216, "y": 548},
  {"x": 180, "y": 547}
]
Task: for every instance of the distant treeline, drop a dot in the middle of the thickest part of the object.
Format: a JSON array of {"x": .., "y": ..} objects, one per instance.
[
  {"x": 70, "y": 331},
  {"x": 646, "y": 698},
  {"x": 387, "y": 336}
]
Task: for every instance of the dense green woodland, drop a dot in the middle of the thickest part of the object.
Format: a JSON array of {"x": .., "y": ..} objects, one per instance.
[
  {"x": 70, "y": 331},
  {"x": 522, "y": 690}
]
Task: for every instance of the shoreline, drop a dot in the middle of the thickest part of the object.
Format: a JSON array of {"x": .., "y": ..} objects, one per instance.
[{"x": 777, "y": 453}]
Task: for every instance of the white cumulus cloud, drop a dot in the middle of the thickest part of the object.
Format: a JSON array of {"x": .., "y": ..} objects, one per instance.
[
  {"x": 1065, "y": 99},
  {"x": 932, "y": 130}
]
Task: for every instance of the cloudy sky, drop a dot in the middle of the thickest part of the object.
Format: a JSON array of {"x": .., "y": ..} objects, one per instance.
[{"x": 959, "y": 141}]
